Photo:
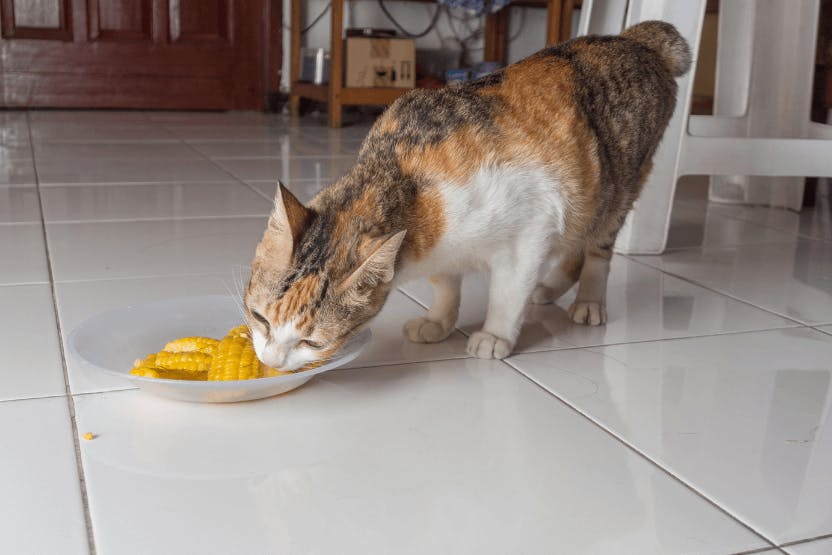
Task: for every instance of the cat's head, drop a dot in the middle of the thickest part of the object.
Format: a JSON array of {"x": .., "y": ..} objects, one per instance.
[{"x": 316, "y": 279}]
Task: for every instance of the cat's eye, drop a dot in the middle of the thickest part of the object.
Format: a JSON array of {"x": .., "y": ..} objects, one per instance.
[
  {"x": 260, "y": 318},
  {"x": 312, "y": 344}
]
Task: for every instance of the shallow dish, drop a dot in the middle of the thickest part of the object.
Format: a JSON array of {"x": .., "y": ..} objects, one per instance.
[{"x": 111, "y": 341}]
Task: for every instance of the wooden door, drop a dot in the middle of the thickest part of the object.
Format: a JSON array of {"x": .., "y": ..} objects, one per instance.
[{"x": 182, "y": 54}]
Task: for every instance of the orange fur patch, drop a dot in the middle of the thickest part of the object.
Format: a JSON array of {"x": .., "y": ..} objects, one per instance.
[
  {"x": 300, "y": 294},
  {"x": 453, "y": 160},
  {"x": 427, "y": 224}
]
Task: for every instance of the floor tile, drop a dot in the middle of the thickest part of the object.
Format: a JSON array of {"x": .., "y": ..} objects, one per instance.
[
  {"x": 282, "y": 147},
  {"x": 98, "y": 151},
  {"x": 84, "y": 130},
  {"x": 126, "y": 118},
  {"x": 152, "y": 248},
  {"x": 40, "y": 509},
  {"x": 151, "y": 201},
  {"x": 743, "y": 418},
  {"x": 31, "y": 362},
  {"x": 17, "y": 171},
  {"x": 23, "y": 254},
  {"x": 643, "y": 304},
  {"x": 794, "y": 280},
  {"x": 19, "y": 204},
  {"x": 818, "y": 547},
  {"x": 304, "y": 189},
  {"x": 813, "y": 222},
  {"x": 701, "y": 225},
  {"x": 225, "y": 132},
  {"x": 456, "y": 457},
  {"x": 59, "y": 171},
  {"x": 289, "y": 169},
  {"x": 213, "y": 118},
  {"x": 80, "y": 300}
]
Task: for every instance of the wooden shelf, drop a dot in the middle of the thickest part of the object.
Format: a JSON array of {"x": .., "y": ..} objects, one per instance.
[{"x": 559, "y": 22}]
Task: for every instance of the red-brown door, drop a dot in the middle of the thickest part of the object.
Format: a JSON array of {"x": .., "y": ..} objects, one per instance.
[{"x": 183, "y": 54}]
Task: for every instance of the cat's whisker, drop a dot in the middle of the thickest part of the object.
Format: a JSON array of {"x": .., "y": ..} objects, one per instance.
[{"x": 235, "y": 297}]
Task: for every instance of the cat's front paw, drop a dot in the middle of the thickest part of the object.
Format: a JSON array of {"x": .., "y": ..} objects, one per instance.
[
  {"x": 422, "y": 330},
  {"x": 591, "y": 313},
  {"x": 484, "y": 345}
]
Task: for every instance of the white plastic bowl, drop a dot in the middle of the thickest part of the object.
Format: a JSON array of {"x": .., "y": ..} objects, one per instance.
[{"x": 111, "y": 341}]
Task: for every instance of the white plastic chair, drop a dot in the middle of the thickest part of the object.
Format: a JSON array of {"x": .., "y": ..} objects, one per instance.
[{"x": 761, "y": 126}]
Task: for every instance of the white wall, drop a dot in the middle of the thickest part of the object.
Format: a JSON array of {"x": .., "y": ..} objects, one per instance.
[{"x": 415, "y": 17}]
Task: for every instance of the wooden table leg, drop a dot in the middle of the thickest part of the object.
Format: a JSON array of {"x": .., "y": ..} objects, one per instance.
[
  {"x": 336, "y": 62},
  {"x": 558, "y": 20},
  {"x": 496, "y": 36},
  {"x": 294, "y": 55}
]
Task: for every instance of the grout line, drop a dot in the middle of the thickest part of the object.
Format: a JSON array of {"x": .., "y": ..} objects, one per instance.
[
  {"x": 148, "y": 276},
  {"x": 159, "y": 219},
  {"x": 660, "y": 340},
  {"x": 806, "y": 540},
  {"x": 643, "y": 455},
  {"x": 819, "y": 327},
  {"x": 636, "y": 341},
  {"x": 82, "y": 482},
  {"x": 712, "y": 289},
  {"x": 72, "y": 184},
  {"x": 33, "y": 398},
  {"x": 227, "y": 172},
  {"x": 23, "y": 283}
]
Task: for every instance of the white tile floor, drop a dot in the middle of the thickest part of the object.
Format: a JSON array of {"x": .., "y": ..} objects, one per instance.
[{"x": 699, "y": 420}]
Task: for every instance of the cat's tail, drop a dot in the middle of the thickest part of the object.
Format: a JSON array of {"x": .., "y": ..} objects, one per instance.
[{"x": 663, "y": 38}]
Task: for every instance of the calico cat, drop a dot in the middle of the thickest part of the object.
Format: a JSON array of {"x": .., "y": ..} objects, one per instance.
[{"x": 542, "y": 159}]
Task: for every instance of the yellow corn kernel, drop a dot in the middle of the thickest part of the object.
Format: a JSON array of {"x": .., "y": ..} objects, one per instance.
[
  {"x": 205, "y": 345},
  {"x": 239, "y": 331},
  {"x": 166, "y": 374},
  {"x": 234, "y": 359},
  {"x": 269, "y": 372},
  {"x": 187, "y": 361}
]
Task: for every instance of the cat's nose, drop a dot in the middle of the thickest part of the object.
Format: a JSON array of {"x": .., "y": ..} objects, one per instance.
[{"x": 275, "y": 357}]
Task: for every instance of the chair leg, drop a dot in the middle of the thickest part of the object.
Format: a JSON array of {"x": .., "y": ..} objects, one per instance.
[
  {"x": 775, "y": 96},
  {"x": 645, "y": 231}
]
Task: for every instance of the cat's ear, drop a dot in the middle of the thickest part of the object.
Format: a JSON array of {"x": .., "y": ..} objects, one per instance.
[
  {"x": 379, "y": 267},
  {"x": 289, "y": 217}
]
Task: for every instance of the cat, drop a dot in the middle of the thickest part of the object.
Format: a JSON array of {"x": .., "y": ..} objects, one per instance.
[{"x": 541, "y": 159}]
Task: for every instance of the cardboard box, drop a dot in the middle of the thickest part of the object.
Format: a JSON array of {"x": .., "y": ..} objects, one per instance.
[{"x": 379, "y": 62}]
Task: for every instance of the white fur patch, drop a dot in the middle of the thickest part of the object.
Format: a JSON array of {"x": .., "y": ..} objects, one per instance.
[
  {"x": 282, "y": 349},
  {"x": 501, "y": 207}
]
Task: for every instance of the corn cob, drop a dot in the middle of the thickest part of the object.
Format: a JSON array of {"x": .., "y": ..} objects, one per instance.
[
  {"x": 205, "y": 345},
  {"x": 203, "y": 358},
  {"x": 166, "y": 374},
  {"x": 234, "y": 359},
  {"x": 239, "y": 331},
  {"x": 189, "y": 361}
]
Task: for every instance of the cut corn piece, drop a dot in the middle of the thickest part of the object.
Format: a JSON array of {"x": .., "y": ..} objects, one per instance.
[
  {"x": 203, "y": 358},
  {"x": 239, "y": 331},
  {"x": 188, "y": 361},
  {"x": 235, "y": 359},
  {"x": 205, "y": 345},
  {"x": 166, "y": 374},
  {"x": 269, "y": 372}
]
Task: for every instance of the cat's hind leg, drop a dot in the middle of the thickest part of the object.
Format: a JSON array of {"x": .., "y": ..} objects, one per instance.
[
  {"x": 590, "y": 306},
  {"x": 561, "y": 278},
  {"x": 443, "y": 313}
]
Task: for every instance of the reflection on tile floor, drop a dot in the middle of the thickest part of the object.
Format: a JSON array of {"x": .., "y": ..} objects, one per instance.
[{"x": 696, "y": 421}]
